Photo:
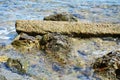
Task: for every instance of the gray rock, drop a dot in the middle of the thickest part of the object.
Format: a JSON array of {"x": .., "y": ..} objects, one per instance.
[
  {"x": 55, "y": 43},
  {"x": 57, "y": 47},
  {"x": 61, "y": 17}
]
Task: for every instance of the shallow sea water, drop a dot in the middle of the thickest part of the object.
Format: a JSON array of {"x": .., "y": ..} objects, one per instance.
[
  {"x": 105, "y": 11},
  {"x": 86, "y": 10}
]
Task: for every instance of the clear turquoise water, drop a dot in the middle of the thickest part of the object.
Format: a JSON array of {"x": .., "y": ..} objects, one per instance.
[{"x": 85, "y": 10}]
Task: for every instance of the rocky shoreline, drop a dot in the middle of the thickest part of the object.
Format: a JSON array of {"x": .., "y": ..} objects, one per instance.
[{"x": 60, "y": 52}]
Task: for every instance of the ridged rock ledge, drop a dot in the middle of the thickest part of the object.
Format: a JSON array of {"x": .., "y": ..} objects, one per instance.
[{"x": 69, "y": 28}]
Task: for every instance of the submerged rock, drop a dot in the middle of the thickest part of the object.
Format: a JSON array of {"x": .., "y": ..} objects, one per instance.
[
  {"x": 108, "y": 65},
  {"x": 25, "y": 45},
  {"x": 56, "y": 46},
  {"x": 2, "y": 77},
  {"x": 61, "y": 17},
  {"x": 16, "y": 66}
]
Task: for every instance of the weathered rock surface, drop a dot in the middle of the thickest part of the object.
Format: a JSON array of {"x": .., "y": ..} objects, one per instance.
[
  {"x": 47, "y": 66},
  {"x": 61, "y": 17},
  {"x": 26, "y": 43},
  {"x": 57, "y": 47},
  {"x": 16, "y": 66},
  {"x": 108, "y": 66},
  {"x": 34, "y": 27}
]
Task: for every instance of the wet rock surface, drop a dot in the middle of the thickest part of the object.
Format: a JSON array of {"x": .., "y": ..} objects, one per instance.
[
  {"x": 57, "y": 47},
  {"x": 55, "y": 43},
  {"x": 49, "y": 64},
  {"x": 2, "y": 77},
  {"x": 61, "y": 17},
  {"x": 26, "y": 43},
  {"x": 108, "y": 65},
  {"x": 16, "y": 66},
  {"x": 116, "y": 39}
]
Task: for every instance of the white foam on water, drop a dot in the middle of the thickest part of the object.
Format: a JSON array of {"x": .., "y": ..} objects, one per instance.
[
  {"x": 7, "y": 33},
  {"x": 4, "y": 37},
  {"x": 3, "y": 33}
]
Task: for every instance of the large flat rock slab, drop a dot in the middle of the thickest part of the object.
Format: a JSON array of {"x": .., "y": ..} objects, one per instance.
[{"x": 69, "y": 28}]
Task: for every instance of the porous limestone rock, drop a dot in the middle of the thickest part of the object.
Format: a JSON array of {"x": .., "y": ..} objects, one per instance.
[{"x": 77, "y": 29}]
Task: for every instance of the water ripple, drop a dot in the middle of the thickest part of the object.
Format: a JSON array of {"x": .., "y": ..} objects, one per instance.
[{"x": 86, "y": 10}]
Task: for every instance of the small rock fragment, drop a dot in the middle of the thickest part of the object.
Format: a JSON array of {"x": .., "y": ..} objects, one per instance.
[{"x": 16, "y": 66}]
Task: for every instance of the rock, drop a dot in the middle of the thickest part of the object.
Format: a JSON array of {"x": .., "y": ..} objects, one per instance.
[
  {"x": 16, "y": 66},
  {"x": 75, "y": 29},
  {"x": 46, "y": 38},
  {"x": 117, "y": 72},
  {"x": 108, "y": 65},
  {"x": 2, "y": 77},
  {"x": 54, "y": 42},
  {"x": 56, "y": 46},
  {"x": 3, "y": 58},
  {"x": 23, "y": 36},
  {"x": 61, "y": 17},
  {"x": 26, "y": 43}
]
